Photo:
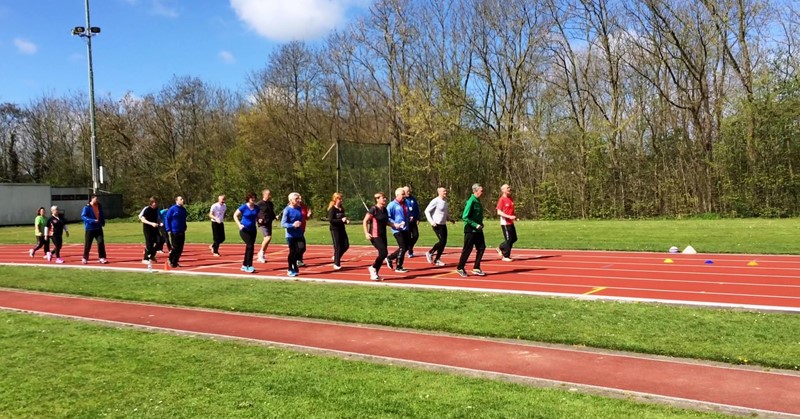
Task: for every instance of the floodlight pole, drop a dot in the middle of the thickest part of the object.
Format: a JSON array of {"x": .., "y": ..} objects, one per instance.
[{"x": 88, "y": 33}]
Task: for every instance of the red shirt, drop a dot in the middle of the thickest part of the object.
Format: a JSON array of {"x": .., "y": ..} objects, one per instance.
[{"x": 506, "y": 205}]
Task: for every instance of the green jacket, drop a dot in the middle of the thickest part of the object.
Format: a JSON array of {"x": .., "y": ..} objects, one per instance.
[{"x": 473, "y": 215}]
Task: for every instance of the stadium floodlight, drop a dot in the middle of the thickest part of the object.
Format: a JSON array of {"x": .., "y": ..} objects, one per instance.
[{"x": 83, "y": 33}]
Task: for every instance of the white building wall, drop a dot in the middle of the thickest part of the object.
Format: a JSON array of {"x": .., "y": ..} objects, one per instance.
[{"x": 19, "y": 202}]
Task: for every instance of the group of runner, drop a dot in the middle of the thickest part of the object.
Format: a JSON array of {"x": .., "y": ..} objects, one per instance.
[{"x": 402, "y": 216}]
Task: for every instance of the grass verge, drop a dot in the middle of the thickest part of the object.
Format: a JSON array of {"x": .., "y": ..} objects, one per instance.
[
  {"x": 87, "y": 370},
  {"x": 738, "y": 337}
]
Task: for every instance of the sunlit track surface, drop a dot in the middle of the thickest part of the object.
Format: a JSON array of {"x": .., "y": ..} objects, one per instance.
[{"x": 764, "y": 282}]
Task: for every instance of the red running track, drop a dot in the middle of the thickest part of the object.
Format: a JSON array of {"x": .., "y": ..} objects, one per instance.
[
  {"x": 723, "y": 280},
  {"x": 731, "y": 389}
]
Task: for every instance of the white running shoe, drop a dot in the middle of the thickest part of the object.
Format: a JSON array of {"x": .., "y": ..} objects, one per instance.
[
  {"x": 429, "y": 257},
  {"x": 103, "y": 260},
  {"x": 336, "y": 267},
  {"x": 439, "y": 263},
  {"x": 508, "y": 260},
  {"x": 373, "y": 274},
  {"x": 31, "y": 252},
  {"x": 261, "y": 259},
  {"x": 48, "y": 256}
]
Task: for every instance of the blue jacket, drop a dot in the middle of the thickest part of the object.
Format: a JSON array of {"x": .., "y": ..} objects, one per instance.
[
  {"x": 87, "y": 215},
  {"x": 413, "y": 207},
  {"x": 290, "y": 215},
  {"x": 175, "y": 219},
  {"x": 397, "y": 215}
]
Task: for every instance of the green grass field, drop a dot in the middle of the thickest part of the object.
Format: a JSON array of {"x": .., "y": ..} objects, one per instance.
[
  {"x": 159, "y": 371},
  {"x": 771, "y": 236}
]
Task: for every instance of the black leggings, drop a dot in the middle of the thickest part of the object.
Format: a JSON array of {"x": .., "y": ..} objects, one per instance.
[
  {"x": 295, "y": 245},
  {"x": 380, "y": 244},
  {"x": 249, "y": 239},
  {"x": 340, "y": 244},
  {"x": 441, "y": 234},
  {"x": 472, "y": 239},
  {"x": 41, "y": 241},
  {"x": 57, "y": 242}
]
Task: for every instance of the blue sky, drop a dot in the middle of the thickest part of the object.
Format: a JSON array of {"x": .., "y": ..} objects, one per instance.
[{"x": 144, "y": 43}]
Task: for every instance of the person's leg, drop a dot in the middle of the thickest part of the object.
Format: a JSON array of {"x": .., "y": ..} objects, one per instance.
[
  {"x": 301, "y": 250},
  {"x": 39, "y": 244},
  {"x": 469, "y": 241},
  {"x": 292, "y": 258},
  {"x": 403, "y": 241},
  {"x": 504, "y": 245},
  {"x": 101, "y": 244},
  {"x": 215, "y": 234},
  {"x": 480, "y": 247},
  {"x": 57, "y": 243},
  {"x": 249, "y": 238},
  {"x": 413, "y": 236},
  {"x": 381, "y": 246},
  {"x": 88, "y": 236},
  {"x": 511, "y": 238},
  {"x": 441, "y": 234},
  {"x": 336, "y": 241}
]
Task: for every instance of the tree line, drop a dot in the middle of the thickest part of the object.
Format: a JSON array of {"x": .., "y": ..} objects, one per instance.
[{"x": 589, "y": 108}]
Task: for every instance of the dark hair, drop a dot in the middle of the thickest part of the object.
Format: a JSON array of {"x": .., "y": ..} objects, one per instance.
[
  {"x": 249, "y": 196},
  {"x": 92, "y": 196},
  {"x": 40, "y": 210},
  {"x": 153, "y": 200}
]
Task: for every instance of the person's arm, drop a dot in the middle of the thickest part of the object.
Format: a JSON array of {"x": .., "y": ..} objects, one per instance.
[
  {"x": 466, "y": 215},
  {"x": 87, "y": 215},
  {"x": 367, "y": 218},
  {"x": 285, "y": 219},
  {"x": 168, "y": 220},
  {"x": 237, "y": 218},
  {"x": 430, "y": 210},
  {"x": 211, "y": 214}
]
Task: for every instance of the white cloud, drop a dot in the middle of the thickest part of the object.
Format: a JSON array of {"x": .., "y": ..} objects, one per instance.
[
  {"x": 164, "y": 8},
  {"x": 282, "y": 20},
  {"x": 25, "y": 46},
  {"x": 226, "y": 57}
]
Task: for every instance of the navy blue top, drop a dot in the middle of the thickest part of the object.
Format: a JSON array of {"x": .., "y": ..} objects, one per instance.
[{"x": 413, "y": 207}]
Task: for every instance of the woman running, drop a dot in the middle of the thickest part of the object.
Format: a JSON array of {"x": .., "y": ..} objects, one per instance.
[
  {"x": 375, "y": 222},
  {"x": 39, "y": 226},
  {"x": 245, "y": 217},
  {"x": 338, "y": 220},
  {"x": 56, "y": 226}
]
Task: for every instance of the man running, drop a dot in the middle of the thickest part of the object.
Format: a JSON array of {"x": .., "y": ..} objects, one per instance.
[
  {"x": 413, "y": 219},
  {"x": 505, "y": 209},
  {"x": 398, "y": 220},
  {"x": 93, "y": 222},
  {"x": 217, "y": 216},
  {"x": 292, "y": 221},
  {"x": 473, "y": 233},
  {"x": 175, "y": 223},
  {"x": 150, "y": 218},
  {"x": 437, "y": 213},
  {"x": 266, "y": 215}
]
